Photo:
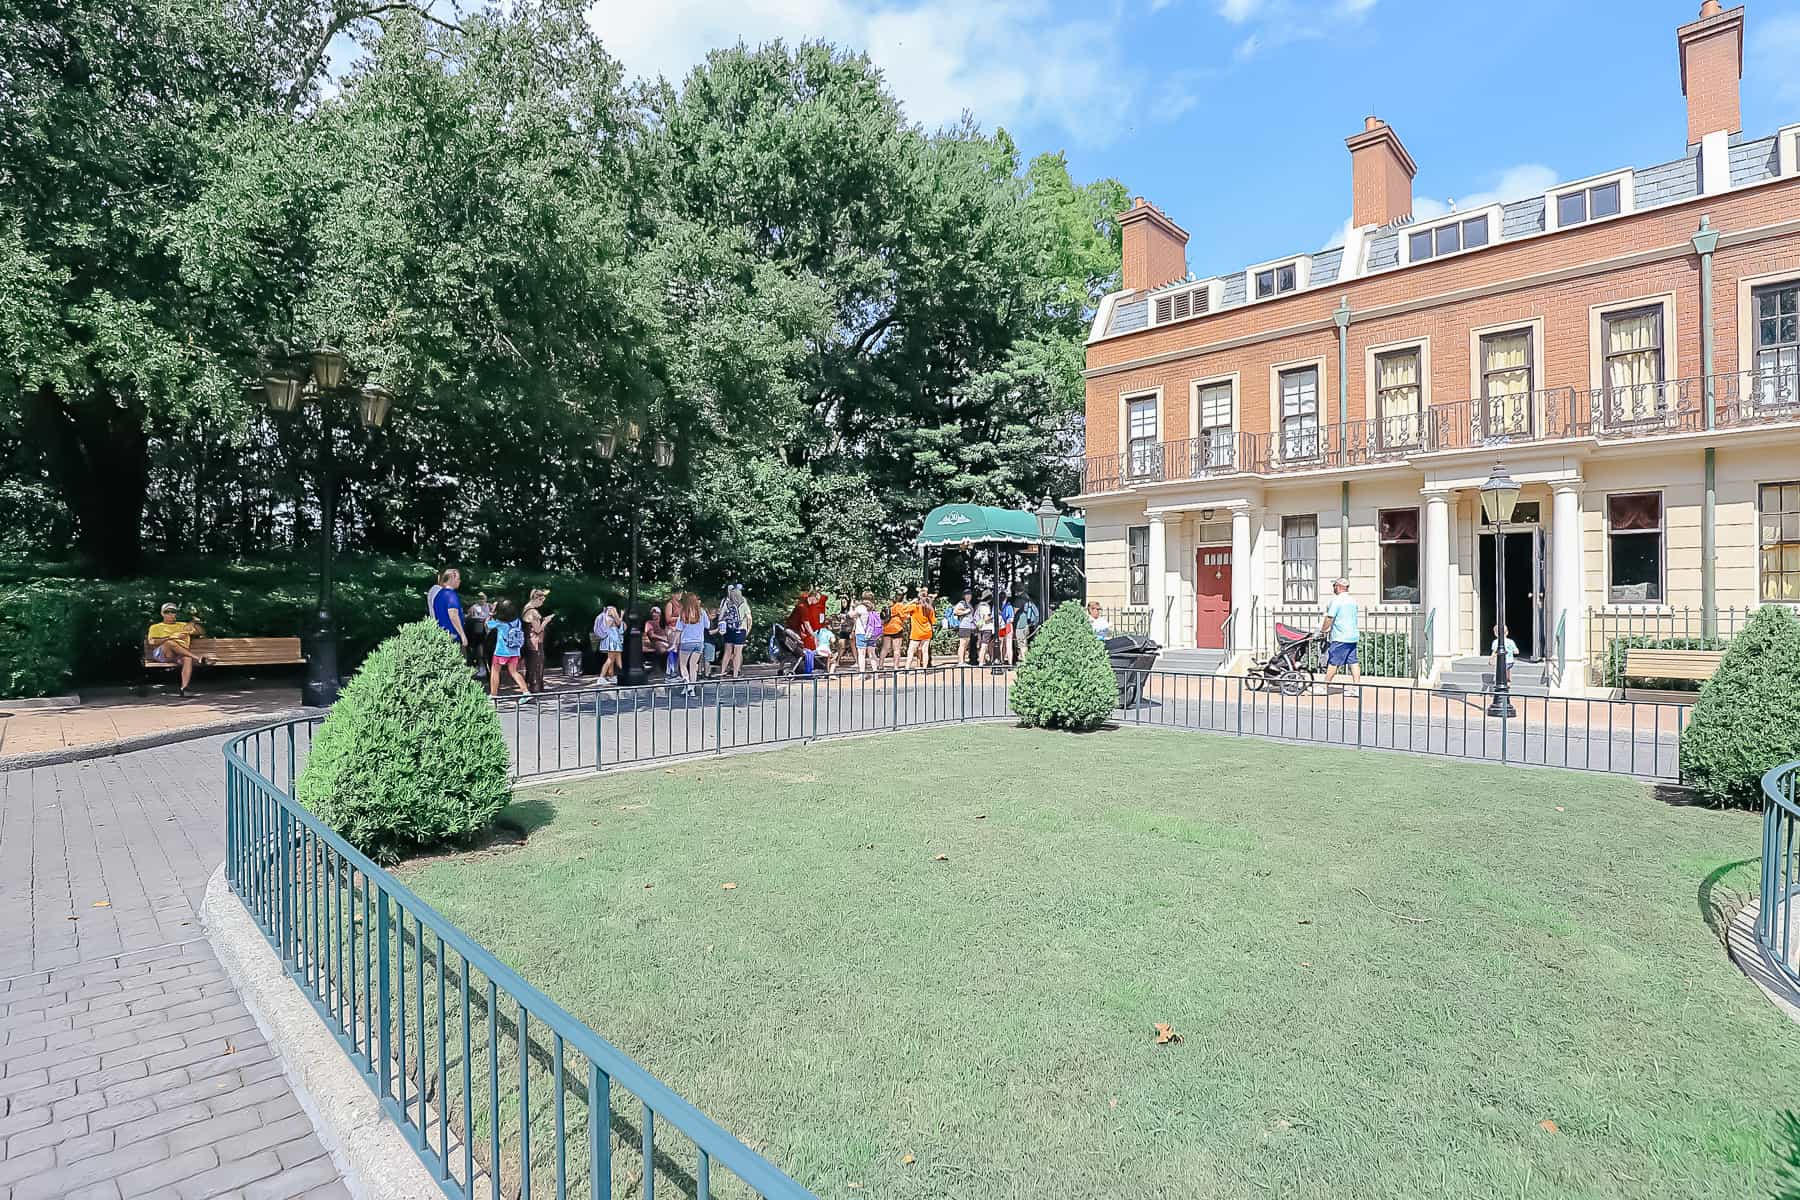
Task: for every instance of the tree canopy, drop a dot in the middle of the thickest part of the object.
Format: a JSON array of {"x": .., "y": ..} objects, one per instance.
[{"x": 837, "y": 317}]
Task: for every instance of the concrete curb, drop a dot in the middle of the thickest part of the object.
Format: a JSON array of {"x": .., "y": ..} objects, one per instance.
[
  {"x": 1754, "y": 961},
  {"x": 370, "y": 1152},
  {"x": 150, "y": 741}
]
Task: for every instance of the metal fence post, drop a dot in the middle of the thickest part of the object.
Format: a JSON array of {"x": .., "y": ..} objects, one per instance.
[
  {"x": 384, "y": 994},
  {"x": 718, "y": 719},
  {"x": 815, "y": 706},
  {"x": 286, "y": 940},
  {"x": 599, "y": 732},
  {"x": 962, "y": 691}
]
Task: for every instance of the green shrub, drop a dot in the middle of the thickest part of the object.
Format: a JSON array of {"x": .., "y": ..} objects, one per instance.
[
  {"x": 1379, "y": 654},
  {"x": 39, "y": 631},
  {"x": 412, "y": 753},
  {"x": 1612, "y": 665},
  {"x": 1066, "y": 682},
  {"x": 1747, "y": 718}
]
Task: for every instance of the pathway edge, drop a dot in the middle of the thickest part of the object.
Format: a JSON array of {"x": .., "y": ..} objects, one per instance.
[{"x": 150, "y": 741}]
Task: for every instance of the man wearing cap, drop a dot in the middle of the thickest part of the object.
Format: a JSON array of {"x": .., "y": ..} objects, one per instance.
[
  {"x": 1342, "y": 618},
  {"x": 171, "y": 642}
]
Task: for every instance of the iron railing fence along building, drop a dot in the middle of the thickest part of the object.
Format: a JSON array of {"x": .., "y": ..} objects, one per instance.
[{"x": 1780, "y": 875}]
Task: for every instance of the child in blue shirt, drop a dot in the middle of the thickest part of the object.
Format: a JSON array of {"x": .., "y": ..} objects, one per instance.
[{"x": 509, "y": 644}]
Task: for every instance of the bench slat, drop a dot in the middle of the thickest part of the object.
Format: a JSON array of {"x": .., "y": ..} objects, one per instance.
[
  {"x": 242, "y": 652},
  {"x": 1672, "y": 664}
]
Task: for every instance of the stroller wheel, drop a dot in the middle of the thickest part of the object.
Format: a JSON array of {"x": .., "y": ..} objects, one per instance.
[
  {"x": 1295, "y": 681},
  {"x": 1255, "y": 679}
]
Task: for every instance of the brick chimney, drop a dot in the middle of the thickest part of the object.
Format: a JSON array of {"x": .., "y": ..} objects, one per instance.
[
  {"x": 1381, "y": 175},
  {"x": 1155, "y": 247},
  {"x": 1712, "y": 63}
]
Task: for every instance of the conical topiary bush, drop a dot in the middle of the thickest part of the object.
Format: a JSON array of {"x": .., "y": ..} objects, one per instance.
[
  {"x": 412, "y": 754},
  {"x": 1066, "y": 680},
  {"x": 1747, "y": 718}
]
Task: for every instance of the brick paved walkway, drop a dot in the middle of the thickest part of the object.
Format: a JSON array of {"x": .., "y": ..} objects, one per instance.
[{"x": 129, "y": 1069}]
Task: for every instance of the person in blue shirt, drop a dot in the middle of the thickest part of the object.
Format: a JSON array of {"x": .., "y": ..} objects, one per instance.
[
  {"x": 509, "y": 644},
  {"x": 1342, "y": 618},
  {"x": 446, "y": 607}
]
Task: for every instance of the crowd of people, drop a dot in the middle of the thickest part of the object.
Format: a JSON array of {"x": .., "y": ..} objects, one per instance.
[{"x": 688, "y": 639}]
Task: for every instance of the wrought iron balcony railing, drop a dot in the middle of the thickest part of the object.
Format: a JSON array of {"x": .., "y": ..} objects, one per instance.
[{"x": 1550, "y": 414}]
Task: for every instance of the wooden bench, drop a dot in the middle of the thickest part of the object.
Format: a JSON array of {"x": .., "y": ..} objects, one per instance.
[
  {"x": 237, "y": 652},
  {"x": 1697, "y": 665}
]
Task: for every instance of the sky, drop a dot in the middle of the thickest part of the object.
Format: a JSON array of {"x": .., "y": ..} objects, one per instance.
[{"x": 1231, "y": 114}]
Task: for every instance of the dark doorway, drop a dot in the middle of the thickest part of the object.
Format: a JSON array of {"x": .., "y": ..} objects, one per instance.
[{"x": 1524, "y": 591}]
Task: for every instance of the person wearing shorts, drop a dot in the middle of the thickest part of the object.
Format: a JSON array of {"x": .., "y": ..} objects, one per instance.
[
  {"x": 1342, "y": 618},
  {"x": 893, "y": 631},
  {"x": 509, "y": 644},
  {"x": 734, "y": 617},
  {"x": 922, "y": 618},
  {"x": 171, "y": 641}
]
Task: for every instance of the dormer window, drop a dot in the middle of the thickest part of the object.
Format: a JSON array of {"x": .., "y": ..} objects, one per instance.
[
  {"x": 1180, "y": 305},
  {"x": 1591, "y": 200},
  {"x": 1447, "y": 239},
  {"x": 1276, "y": 280}
]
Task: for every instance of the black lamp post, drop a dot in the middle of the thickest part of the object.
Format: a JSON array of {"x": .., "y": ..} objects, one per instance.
[
  {"x": 324, "y": 376},
  {"x": 662, "y": 457},
  {"x": 1499, "y": 496},
  {"x": 1047, "y": 517}
]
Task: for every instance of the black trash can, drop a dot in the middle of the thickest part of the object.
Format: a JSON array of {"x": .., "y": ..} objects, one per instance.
[
  {"x": 572, "y": 666},
  {"x": 1131, "y": 657}
]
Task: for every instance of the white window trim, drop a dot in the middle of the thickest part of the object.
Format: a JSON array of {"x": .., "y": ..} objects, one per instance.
[
  {"x": 1277, "y": 370},
  {"x": 1493, "y": 212},
  {"x": 1302, "y": 264},
  {"x": 1372, "y": 389},
  {"x": 1627, "y": 198},
  {"x": 1662, "y": 584},
  {"x": 1536, "y": 325},
  {"x": 1130, "y": 604},
  {"x": 1215, "y": 292},
  {"x": 1759, "y": 483},
  {"x": 1125, "y": 399},
  {"x": 1787, "y": 150},
  {"x": 1194, "y": 401},
  {"x": 1597, "y": 315},
  {"x": 1747, "y": 287}
]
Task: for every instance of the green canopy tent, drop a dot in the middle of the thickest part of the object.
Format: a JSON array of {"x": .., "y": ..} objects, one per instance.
[{"x": 966, "y": 527}]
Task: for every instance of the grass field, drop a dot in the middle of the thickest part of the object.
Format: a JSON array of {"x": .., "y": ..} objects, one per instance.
[{"x": 1392, "y": 976}]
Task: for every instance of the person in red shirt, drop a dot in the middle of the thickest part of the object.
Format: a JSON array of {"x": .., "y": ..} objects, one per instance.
[{"x": 808, "y": 616}]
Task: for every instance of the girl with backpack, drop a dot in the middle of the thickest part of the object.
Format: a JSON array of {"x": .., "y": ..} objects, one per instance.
[{"x": 509, "y": 644}]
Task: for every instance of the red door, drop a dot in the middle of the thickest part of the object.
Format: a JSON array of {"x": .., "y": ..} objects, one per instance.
[{"x": 1212, "y": 596}]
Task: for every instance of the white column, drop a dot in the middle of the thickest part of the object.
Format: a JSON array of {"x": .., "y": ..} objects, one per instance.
[
  {"x": 1159, "y": 578},
  {"x": 1440, "y": 575},
  {"x": 1568, "y": 604},
  {"x": 1243, "y": 580}
]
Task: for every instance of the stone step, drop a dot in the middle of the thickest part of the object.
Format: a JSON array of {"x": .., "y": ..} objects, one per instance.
[{"x": 1196, "y": 662}]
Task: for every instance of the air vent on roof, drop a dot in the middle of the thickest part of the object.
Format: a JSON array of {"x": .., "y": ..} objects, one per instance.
[{"x": 1179, "y": 306}]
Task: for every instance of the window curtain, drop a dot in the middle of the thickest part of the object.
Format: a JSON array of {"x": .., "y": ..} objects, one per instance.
[
  {"x": 1634, "y": 513},
  {"x": 1506, "y": 379},
  {"x": 1397, "y": 386},
  {"x": 1300, "y": 414},
  {"x": 1215, "y": 424},
  {"x": 1634, "y": 365}
]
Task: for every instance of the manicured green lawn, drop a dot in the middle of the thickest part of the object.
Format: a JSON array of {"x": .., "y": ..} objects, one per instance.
[{"x": 1387, "y": 972}]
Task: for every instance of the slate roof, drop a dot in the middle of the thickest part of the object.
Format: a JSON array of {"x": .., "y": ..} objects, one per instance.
[{"x": 1752, "y": 161}]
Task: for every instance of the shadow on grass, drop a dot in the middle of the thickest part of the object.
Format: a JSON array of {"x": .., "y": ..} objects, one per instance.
[
  {"x": 522, "y": 818},
  {"x": 1719, "y": 901}
]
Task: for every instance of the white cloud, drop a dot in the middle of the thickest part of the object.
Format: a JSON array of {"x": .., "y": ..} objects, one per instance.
[
  {"x": 1006, "y": 61},
  {"x": 1239, "y": 11},
  {"x": 1279, "y": 23},
  {"x": 1512, "y": 183},
  {"x": 1774, "y": 48}
]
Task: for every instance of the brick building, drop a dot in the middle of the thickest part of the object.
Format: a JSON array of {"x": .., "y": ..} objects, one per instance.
[{"x": 1625, "y": 343}]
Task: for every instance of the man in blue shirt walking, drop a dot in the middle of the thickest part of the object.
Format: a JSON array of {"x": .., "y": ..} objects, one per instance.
[
  {"x": 446, "y": 606},
  {"x": 1342, "y": 618}
]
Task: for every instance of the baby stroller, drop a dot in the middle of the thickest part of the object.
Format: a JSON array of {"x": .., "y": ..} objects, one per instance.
[
  {"x": 787, "y": 651},
  {"x": 1288, "y": 669}
]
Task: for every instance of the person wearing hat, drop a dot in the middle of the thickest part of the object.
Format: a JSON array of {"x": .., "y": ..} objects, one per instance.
[
  {"x": 1343, "y": 616},
  {"x": 171, "y": 641}
]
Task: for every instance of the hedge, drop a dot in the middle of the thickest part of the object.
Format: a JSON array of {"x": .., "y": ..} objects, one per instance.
[
  {"x": 1382, "y": 655},
  {"x": 40, "y": 627},
  {"x": 1612, "y": 663},
  {"x": 1067, "y": 681},
  {"x": 1747, "y": 718}
]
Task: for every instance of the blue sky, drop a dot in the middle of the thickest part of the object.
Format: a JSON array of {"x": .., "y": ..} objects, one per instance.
[{"x": 1231, "y": 114}]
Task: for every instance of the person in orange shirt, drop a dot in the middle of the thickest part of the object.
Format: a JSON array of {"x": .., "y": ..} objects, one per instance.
[
  {"x": 924, "y": 618},
  {"x": 893, "y": 630}
]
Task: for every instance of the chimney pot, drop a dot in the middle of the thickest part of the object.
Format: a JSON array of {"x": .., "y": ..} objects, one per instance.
[
  {"x": 1371, "y": 122},
  {"x": 1710, "y": 8}
]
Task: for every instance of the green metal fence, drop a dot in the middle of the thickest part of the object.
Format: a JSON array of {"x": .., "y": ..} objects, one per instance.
[
  {"x": 499, "y": 1090},
  {"x": 1780, "y": 870}
]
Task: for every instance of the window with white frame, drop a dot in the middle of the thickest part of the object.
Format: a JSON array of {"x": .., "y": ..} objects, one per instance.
[
  {"x": 1588, "y": 203},
  {"x": 1632, "y": 364},
  {"x": 1300, "y": 559},
  {"x": 1277, "y": 280},
  {"x": 1634, "y": 534},
  {"x": 1506, "y": 382},
  {"x": 1399, "y": 396},
  {"x": 1217, "y": 443},
  {"x": 1299, "y": 391},
  {"x": 1140, "y": 436},
  {"x": 1447, "y": 239},
  {"x": 1779, "y": 539},
  {"x": 1397, "y": 530},
  {"x": 1775, "y": 311},
  {"x": 1137, "y": 559}
]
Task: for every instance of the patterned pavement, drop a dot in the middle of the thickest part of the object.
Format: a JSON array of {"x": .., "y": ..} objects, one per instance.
[{"x": 129, "y": 1068}]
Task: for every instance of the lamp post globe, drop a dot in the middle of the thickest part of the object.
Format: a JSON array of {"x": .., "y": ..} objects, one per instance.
[
  {"x": 1047, "y": 517},
  {"x": 1499, "y": 498}
]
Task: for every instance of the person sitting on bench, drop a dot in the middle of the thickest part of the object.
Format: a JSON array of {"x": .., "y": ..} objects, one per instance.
[{"x": 171, "y": 642}]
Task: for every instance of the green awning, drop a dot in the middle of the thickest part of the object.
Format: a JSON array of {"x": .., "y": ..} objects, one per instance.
[{"x": 979, "y": 524}]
